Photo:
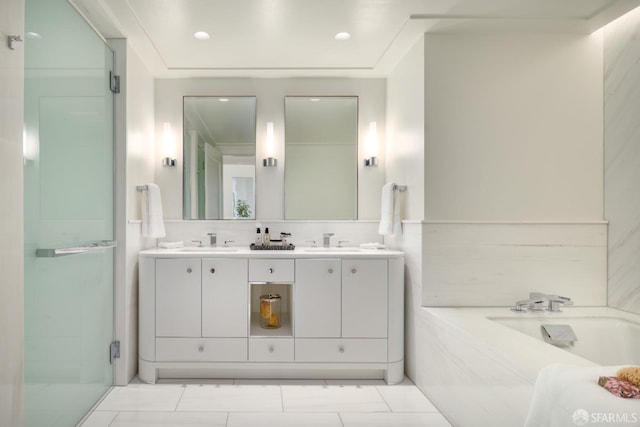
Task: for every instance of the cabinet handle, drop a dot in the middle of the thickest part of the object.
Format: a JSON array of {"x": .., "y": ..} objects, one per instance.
[
  {"x": 271, "y": 270},
  {"x": 341, "y": 349},
  {"x": 331, "y": 271},
  {"x": 201, "y": 348},
  {"x": 189, "y": 270},
  {"x": 213, "y": 270},
  {"x": 271, "y": 349},
  {"x": 354, "y": 271}
]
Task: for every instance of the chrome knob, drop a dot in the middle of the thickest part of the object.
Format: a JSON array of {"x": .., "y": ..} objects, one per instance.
[
  {"x": 213, "y": 270},
  {"x": 341, "y": 349},
  {"x": 189, "y": 270},
  {"x": 331, "y": 271},
  {"x": 354, "y": 271},
  {"x": 271, "y": 270},
  {"x": 271, "y": 349},
  {"x": 201, "y": 349}
]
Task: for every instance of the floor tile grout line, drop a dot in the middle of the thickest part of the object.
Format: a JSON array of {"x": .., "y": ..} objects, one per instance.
[
  {"x": 184, "y": 388},
  {"x": 384, "y": 400},
  {"x": 281, "y": 399},
  {"x": 113, "y": 419}
]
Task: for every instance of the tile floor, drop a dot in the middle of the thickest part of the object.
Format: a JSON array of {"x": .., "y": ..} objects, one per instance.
[{"x": 266, "y": 403}]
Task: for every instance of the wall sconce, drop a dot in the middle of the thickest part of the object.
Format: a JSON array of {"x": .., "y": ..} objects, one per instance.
[
  {"x": 270, "y": 161},
  {"x": 371, "y": 146},
  {"x": 168, "y": 147}
]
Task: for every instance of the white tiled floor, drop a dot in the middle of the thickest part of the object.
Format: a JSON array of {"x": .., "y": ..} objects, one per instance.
[{"x": 266, "y": 403}]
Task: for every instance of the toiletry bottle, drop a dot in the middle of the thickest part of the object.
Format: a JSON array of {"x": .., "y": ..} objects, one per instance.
[
  {"x": 266, "y": 239},
  {"x": 258, "y": 237}
]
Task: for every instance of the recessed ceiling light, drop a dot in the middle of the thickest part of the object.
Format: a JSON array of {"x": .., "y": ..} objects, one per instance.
[
  {"x": 201, "y": 35},
  {"x": 314, "y": 99},
  {"x": 342, "y": 36},
  {"x": 223, "y": 99}
]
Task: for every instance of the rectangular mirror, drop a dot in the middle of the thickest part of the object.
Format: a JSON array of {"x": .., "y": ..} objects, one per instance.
[
  {"x": 321, "y": 152},
  {"x": 219, "y": 152}
]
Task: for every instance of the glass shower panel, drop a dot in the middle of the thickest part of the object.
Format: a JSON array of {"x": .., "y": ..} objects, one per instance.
[{"x": 68, "y": 196}]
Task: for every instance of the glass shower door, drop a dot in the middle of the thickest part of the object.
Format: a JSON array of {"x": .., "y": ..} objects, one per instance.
[{"x": 68, "y": 196}]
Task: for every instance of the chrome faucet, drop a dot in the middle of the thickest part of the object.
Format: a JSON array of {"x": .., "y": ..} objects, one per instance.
[
  {"x": 326, "y": 239},
  {"x": 213, "y": 238},
  {"x": 535, "y": 304},
  {"x": 553, "y": 300},
  {"x": 537, "y": 299}
]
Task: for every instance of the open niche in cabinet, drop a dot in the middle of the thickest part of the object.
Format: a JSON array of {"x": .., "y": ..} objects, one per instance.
[{"x": 270, "y": 309}]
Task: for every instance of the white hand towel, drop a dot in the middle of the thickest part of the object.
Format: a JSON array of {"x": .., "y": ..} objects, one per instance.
[
  {"x": 152, "y": 220},
  {"x": 389, "y": 212}
]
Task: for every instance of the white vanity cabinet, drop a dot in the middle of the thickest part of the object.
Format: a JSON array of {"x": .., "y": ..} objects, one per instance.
[
  {"x": 178, "y": 307},
  {"x": 224, "y": 297},
  {"x": 342, "y": 315},
  {"x": 318, "y": 300},
  {"x": 341, "y": 310}
]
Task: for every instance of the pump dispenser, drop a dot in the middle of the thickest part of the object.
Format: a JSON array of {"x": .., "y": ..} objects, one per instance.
[
  {"x": 266, "y": 239},
  {"x": 258, "y": 236}
]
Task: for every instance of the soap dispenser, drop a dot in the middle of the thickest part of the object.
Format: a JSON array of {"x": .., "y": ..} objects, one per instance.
[
  {"x": 266, "y": 239},
  {"x": 258, "y": 237}
]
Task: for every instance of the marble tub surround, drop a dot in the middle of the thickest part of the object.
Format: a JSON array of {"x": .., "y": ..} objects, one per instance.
[
  {"x": 485, "y": 363},
  {"x": 621, "y": 159},
  {"x": 488, "y": 264}
]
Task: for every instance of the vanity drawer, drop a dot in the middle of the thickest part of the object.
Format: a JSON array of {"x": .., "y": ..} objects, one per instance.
[
  {"x": 201, "y": 349},
  {"x": 271, "y": 349},
  {"x": 271, "y": 270},
  {"x": 341, "y": 350}
]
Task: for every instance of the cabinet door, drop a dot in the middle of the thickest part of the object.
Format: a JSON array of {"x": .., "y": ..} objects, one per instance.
[
  {"x": 224, "y": 297},
  {"x": 178, "y": 297},
  {"x": 364, "y": 298},
  {"x": 317, "y": 298}
]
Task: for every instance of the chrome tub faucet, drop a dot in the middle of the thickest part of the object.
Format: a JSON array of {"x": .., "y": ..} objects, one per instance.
[{"x": 537, "y": 299}]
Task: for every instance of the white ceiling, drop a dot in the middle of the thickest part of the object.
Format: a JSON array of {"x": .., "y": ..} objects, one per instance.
[{"x": 286, "y": 38}]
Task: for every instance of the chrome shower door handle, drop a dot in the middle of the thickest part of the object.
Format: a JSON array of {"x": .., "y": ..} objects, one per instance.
[{"x": 73, "y": 250}]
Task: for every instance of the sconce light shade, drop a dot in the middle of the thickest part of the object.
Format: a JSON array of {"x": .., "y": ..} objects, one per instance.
[
  {"x": 169, "y": 147},
  {"x": 371, "y": 146},
  {"x": 270, "y": 161}
]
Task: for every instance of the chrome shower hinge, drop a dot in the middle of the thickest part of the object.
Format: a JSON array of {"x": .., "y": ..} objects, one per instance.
[
  {"x": 114, "y": 351},
  {"x": 114, "y": 82}
]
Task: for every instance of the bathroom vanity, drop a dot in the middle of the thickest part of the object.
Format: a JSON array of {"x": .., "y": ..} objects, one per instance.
[{"x": 341, "y": 313}]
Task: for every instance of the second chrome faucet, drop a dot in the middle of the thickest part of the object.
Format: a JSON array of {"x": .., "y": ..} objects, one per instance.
[{"x": 537, "y": 300}]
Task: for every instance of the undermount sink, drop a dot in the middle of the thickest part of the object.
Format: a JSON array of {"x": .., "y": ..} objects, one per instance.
[
  {"x": 208, "y": 249},
  {"x": 333, "y": 249}
]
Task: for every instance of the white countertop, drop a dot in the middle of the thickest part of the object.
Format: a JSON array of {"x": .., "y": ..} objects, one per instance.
[{"x": 245, "y": 252}]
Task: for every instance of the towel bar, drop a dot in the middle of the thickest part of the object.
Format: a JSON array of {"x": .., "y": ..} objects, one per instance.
[
  {"x": 400, "y": 188},
  {"x": 141, "y": 187}
]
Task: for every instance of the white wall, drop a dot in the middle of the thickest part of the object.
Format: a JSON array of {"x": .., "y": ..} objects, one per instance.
[
  {"x": 513, "y": 127},
  {"x": 405, "y": 166},
  {"x": 513, "y": 175},
  {"x": 406, "y": 130},
  {"x": 622, "y": 159},
  {"x": 11, "y": 225},
  {"x": 270, "y": 95},
  {"x": 135, "y": 135}
]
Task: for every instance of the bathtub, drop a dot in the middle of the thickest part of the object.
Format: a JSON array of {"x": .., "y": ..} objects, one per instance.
[{"x": 480, "y": 364}]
